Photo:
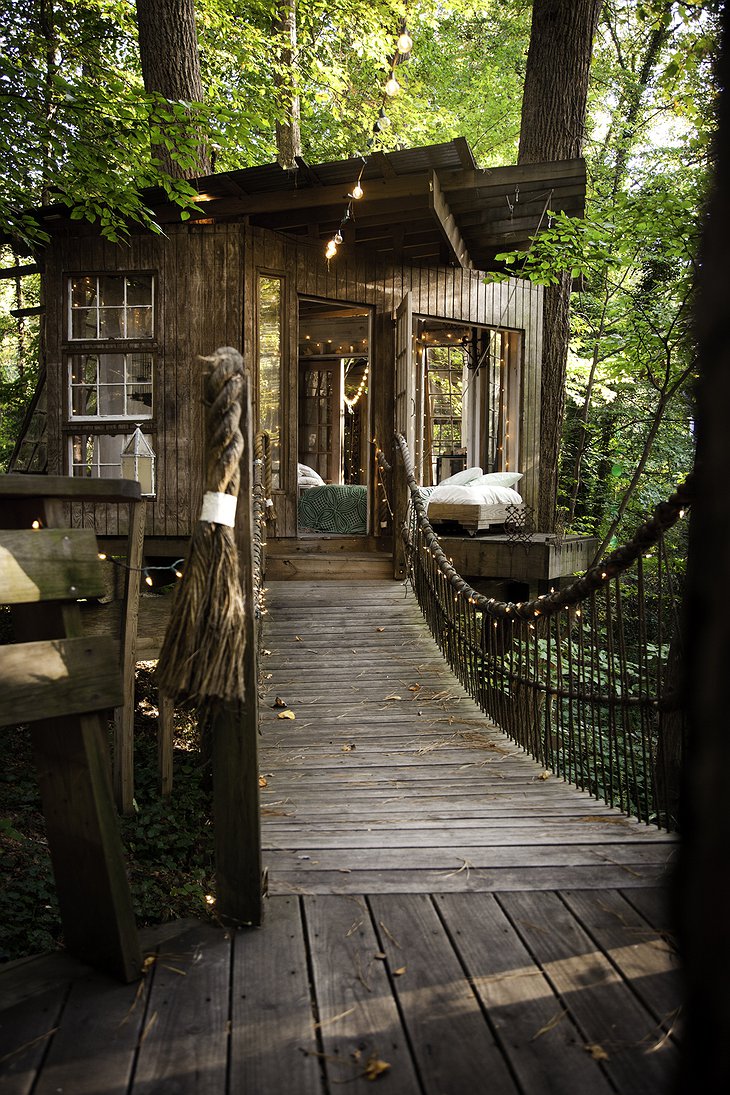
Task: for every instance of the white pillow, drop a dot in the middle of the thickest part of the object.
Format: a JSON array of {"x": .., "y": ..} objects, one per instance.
[
  {"x": 462, "y": 477},
  {"x": 305, "y": 472},
  {"x": 499, "y": 479}
]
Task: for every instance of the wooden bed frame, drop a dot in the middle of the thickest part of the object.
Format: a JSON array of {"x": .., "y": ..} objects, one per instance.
[{"x": 472, "y": 516}]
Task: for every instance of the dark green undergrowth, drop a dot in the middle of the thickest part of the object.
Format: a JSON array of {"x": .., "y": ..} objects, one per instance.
[{"x": 168, "y": 841}]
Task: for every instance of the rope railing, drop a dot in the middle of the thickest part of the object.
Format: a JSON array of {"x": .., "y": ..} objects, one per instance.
[
  {"x": 585, "y": 677},
  {"x": 262, "y": 512}
]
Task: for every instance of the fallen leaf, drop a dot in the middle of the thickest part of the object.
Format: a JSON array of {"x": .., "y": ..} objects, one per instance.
[
  {"x": 552, "y": 1023},
  {"x": 414, "y": 688},
  {"x": 545, "y": 774},
  {"x": 348, "y": 748},
  {"x": 297, "y": 638},
  {"x": 266, "y": 653},
  {"x": 399, "y": 971},
  {"x": 380, "y": 629},
  {"x": 279, "y": 702},
  {"x": 263, "y": 781},
  {"x": 393, "y": 697},
  {"x": 597, "y": 1052},
  {"x": 375, "y": 1067},
  {"x": 381, "y": 955},
  {"x": 286, "y": 715}
]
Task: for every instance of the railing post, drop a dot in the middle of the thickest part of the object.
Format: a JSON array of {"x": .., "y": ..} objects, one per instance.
[
  {"x": 123, "y": 770},
  {"x": 234, "y": 730},
  {"x": 400, "y": 495}
]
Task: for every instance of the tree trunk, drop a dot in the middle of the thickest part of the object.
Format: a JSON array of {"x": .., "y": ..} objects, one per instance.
[
  {"x": 703, "y": 886},
  {"x": 288, "y": 136},
  {"x": 553, "y": 124},
  {"x": 168, "y": 47}
]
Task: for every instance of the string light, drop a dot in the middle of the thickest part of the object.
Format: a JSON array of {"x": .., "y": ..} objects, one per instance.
[
  {"x": 404, "y": 45},
  {"x": 352, "y": 403},
  {"x": 392, "y": 86}
]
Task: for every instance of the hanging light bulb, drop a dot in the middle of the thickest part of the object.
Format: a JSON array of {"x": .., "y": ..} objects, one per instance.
[
  {"x": 392, "y": 87},
  {"x": 382, "y": 121},
  {"x": 357, "y": 191},
  {"x": 337, "y": 238},
  {"x": 330, "y": 250},
  {"x": 405, "y": 43}
]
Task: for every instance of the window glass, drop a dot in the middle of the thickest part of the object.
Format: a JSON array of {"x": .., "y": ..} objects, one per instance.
[
  {"x": 111, "y": 385},
  {"x": 98, "y": 456},
  {"x": 269, "y": 368},
  {"x": 111, "y": 306}
]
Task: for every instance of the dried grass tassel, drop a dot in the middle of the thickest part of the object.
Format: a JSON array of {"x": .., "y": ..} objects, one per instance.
[{"x": 202, "y": 654}]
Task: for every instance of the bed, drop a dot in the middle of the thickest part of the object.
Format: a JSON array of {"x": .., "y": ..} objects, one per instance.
[
  {"x": 330, "y": 507},
  {"x": 474, "y": 501}
]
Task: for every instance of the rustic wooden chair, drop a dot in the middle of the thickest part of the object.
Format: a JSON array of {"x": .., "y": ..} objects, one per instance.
[{"x": 61, "y": 683}]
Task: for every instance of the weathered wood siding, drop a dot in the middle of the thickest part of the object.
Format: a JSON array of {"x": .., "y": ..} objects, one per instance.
[
  {"x": 198, "y": 292},
  {"x": 206, "y": 280}
]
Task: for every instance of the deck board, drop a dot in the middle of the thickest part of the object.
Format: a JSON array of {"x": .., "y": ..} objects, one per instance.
[
  {"x": 382, "y": 749},
  {"x": 434, "y": 905}
]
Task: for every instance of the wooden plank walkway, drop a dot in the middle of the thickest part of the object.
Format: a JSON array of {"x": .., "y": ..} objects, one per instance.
[{"x": 434, "y": 907}]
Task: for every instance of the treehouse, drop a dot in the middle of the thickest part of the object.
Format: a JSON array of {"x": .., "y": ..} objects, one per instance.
[{"x": 360, "y": 296}]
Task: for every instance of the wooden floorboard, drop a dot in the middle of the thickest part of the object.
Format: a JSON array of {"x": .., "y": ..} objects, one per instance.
[
  {"x": 441, "y": 919},
  {"x": 370, "y": 785}
]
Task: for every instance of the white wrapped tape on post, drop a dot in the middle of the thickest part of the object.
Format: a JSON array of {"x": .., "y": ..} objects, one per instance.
[{"x": 219, "y": 509}]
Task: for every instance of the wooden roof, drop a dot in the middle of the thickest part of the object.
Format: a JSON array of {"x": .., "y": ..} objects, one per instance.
[{"x": 429, "y": 205}]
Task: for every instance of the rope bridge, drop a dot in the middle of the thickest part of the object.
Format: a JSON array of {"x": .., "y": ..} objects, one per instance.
[{"x": 584, "y": 678}]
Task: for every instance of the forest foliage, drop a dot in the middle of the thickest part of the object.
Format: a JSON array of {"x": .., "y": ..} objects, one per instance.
[{"x": 78, "y": 128}]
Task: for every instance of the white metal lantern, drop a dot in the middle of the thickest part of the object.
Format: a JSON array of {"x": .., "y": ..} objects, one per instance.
[{"x": 138, "y": 462}]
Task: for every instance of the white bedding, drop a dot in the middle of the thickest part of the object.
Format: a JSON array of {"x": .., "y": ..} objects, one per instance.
[{"x": 475, "y": 493}]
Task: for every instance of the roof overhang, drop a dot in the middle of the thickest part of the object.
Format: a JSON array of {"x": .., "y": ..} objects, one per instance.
[{"x": 429, "y": 205}]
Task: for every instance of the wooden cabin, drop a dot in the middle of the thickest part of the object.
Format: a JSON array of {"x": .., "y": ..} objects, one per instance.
[{"x": 401, "y": 328}]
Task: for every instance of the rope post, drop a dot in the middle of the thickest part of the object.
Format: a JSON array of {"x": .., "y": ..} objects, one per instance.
[
  {"x": 234, "y": 729},
  {"x": 208, "y": 658}
]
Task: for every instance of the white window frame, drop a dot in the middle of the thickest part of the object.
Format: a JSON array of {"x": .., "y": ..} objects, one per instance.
[
  {"x": 126, "y": 385},
  {"x": 124, "y": 308}
]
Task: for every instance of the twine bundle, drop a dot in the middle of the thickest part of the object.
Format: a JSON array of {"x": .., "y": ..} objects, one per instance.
[{"x": 202, "y": 654}]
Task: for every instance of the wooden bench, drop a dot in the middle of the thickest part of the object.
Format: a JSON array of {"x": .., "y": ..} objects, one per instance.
[{"x": 61, "y": 683}]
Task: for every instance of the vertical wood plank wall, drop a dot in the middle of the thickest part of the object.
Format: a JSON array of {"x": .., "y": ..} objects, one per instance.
[{"x": 206, "y": 280}]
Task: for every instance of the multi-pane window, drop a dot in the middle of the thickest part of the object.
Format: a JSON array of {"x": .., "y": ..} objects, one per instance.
[
  {"x": 110, "y": 367},
  {"x": 110, "y": 385},
  {"x": 103, "y": 306},
  {"x": 97, "y": 456}
]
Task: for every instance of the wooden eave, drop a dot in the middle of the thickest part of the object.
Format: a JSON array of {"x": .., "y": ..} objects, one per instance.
[{"x": 428, "y": 204}]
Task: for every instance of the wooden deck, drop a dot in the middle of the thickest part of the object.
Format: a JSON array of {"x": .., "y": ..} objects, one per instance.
[{"x": 435, "y": 906}]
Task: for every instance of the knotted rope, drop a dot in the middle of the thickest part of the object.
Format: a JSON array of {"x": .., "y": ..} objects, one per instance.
[{"x": 202, "y": 654}]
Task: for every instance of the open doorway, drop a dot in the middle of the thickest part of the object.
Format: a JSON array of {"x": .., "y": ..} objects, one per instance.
[
  {"x": 466, "y": 400},
  {"x": 333, "y": 418}
]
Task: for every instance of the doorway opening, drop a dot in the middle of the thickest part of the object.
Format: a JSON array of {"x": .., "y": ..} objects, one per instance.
[
  {"x": 466, "y": 399},
  {"x": 333, "y": 445}
]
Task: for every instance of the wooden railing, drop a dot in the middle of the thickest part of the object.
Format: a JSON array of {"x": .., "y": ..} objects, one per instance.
[
  {"x": 584, "y": 678},
  {"x": 62, "y": 683}
]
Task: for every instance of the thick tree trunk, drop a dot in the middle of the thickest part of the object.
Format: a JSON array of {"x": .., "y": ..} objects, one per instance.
[
  {"x": 704, "y": 883},
  {"x": 288, "y": 136},
  {"x": 553, "y": 127},
  {"x": 168, "y": 47}
]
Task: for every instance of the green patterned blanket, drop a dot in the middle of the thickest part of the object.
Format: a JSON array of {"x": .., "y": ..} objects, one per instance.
[{"x": 341, "y": 509}]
